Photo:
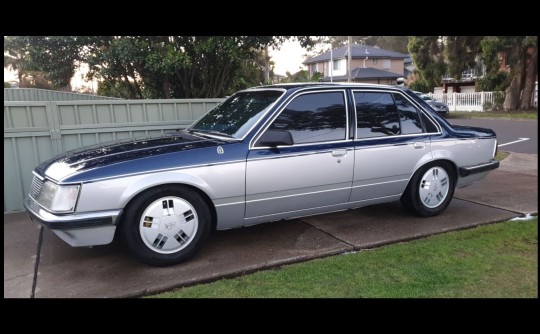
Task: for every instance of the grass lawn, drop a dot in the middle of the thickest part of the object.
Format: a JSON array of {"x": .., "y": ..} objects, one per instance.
[
  {"x": 501, "y": 155},
  {"x": 528, "y": 114},
  {"x": 499, "y": 260}
]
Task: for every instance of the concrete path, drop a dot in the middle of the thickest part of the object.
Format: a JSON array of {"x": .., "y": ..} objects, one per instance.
[{"x": 108, "y": 271}]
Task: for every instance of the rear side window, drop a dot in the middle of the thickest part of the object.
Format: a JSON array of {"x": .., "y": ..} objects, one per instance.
[
  {"x": 376, "y": 115},
  {"x": 380, "y": 114},
  {"x": 409, "y": 116},
  {"x": 314, "y": 117}
]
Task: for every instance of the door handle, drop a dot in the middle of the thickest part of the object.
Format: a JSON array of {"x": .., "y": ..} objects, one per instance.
[
  {"x": 339, "y": 153},
  {"x": 419, "y": 144}
]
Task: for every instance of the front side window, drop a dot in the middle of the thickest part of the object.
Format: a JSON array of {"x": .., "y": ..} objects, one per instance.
[
  {"x": 236, "y": 115},
  {"x": 314, "y": 117}
]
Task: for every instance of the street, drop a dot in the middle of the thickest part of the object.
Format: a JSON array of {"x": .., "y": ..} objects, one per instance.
[{"x": 508, "y": 131}]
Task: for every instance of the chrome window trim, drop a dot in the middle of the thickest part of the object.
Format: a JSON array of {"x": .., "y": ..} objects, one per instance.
[
  {"x": 282, "y": 107},
  {"x": 254, "y": 125},
  {"x": 396, "y": 136}
]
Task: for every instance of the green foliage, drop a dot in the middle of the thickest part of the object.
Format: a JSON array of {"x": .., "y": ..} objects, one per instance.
[
  {"x": 118, "y": 89},
  {"x": 391, "y": 43},
  {"x": 428, "y": 55},
  {"x": 302, "y": 76},
  {"x": 461, "y": 53},
  {"x": 496, "y": 105},
  {"x": 490, "y": 82},
  {"x": 434, "y": 56},
  {"x": 419, "y": 85},
  {"x": 150, "y": 66},
  {"x": 499, "y": 260},
  {"x": 7, "y": 84}
]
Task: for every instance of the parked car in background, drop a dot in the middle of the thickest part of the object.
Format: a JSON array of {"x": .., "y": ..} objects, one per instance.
[
  {"x": 439, "y": 107},
  {"x": 264, "y": 154}
]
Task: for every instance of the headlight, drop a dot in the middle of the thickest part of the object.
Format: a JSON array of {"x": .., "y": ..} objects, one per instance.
[{"x": 58, "y": 198}]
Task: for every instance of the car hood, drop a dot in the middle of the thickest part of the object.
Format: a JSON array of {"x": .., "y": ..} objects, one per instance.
[
  {"x": 122, "y": 154},
  {"x": 435, "y": 103}
]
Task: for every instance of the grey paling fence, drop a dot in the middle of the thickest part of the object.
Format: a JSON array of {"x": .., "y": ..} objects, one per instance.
[
  {"x": 37, "y": 130},
  {"x": 36, "y": 94}
]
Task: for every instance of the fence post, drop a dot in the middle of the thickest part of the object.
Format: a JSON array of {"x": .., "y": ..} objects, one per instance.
[
  {"x": 454, "y": 101},
  {"x": 482, "y": 100},
  {"x": 54, "y": 126}
]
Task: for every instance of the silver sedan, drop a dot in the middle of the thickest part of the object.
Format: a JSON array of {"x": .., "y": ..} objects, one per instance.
[{"x": 264, "y": 154}]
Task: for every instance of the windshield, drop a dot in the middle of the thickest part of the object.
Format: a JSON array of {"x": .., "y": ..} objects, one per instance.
[{"x": 236, "y": 115}]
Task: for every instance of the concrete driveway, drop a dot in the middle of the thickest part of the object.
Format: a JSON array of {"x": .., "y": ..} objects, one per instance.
[{"x": 38, "y": 264}]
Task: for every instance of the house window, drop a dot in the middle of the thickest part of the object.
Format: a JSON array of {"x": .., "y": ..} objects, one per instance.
[
  {"x": 375, "y": 61},
  {"x": 386, "y": 64},
  {"x": 337, "y": 65}
]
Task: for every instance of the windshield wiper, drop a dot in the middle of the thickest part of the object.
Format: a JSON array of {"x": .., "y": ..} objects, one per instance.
[{"x": 212, "y": 132}]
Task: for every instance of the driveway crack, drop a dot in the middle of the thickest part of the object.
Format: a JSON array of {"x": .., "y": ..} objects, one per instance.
[
  {"x": 36, "y": 267},
  {"x": 521, "y": 214},
  {"x": 328, "y": 234}
]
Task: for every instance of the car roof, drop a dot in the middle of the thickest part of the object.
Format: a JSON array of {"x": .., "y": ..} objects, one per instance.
[{"x": 295, "y": 85}]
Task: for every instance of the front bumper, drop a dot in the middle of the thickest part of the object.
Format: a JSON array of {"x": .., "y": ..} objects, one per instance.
[
  {"x": 77, "y": 229},
  {"x": 468, "y": 170}
]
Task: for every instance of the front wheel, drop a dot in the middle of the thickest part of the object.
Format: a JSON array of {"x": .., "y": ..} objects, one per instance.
[
  {"x": 430, "y": 190},
  {"x": 166, "y": 225}
]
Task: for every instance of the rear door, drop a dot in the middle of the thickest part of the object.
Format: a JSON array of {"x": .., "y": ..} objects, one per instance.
[
  {"x": 392, "y": 139},
  {"x": 316, "y": 171}
]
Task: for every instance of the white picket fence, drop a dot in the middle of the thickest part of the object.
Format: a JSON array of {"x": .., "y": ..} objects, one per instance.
[{"x": 468, "y": 101}]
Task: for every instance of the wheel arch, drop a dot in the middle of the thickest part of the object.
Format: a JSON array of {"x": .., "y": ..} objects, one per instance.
[{"x": 198, "y": 190}]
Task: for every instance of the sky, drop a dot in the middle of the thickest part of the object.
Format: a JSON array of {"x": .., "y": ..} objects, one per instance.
[{"x": 288, "y": 58}]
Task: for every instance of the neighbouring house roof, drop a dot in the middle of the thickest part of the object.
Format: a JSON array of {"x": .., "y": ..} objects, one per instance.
[
  {"x": 357, "y": 51},
  {"x": 408, "y": 60},
  {"x": 366, "y": 73}
]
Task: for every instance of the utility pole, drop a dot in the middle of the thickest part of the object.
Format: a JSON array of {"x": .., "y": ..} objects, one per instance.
[
  {"x": 349, "y": 60},
  {"x": 266, "y": 65},
  {"x": 331, "y": 61}
]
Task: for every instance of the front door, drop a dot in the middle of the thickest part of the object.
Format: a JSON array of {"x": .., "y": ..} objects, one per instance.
[{"x": 316, "y": 171}]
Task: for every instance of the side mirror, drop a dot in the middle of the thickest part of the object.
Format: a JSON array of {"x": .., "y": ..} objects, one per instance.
[{"x": 274, "y": 138}]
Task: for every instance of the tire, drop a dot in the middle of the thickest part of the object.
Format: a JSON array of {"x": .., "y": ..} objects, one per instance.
[
  {"x": 166, "y": 225},
  {"x": 430, "y": 190}
]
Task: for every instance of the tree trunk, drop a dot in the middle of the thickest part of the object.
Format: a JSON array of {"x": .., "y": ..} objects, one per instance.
[
  {"x": 531, "y": 70},
  {"x": 513, "y": 92},
  {"x": 167, "y": 88}
]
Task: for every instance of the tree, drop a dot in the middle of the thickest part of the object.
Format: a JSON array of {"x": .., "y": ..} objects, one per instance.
[
  {"x": 154, "y": 66},
  {"x": 436, "y": 56},
  {"x": 55, "y": 57},
  {"x": 428, "y": 55},
  {"x": 391, "y": 43}
]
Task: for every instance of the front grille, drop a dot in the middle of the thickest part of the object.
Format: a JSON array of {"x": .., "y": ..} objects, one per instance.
[{"x": 35, "y": 189}]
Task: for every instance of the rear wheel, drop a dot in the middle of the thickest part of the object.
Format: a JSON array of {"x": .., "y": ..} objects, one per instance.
[
  {"x": 430, "y": 190},
  {"x": 166, "y": 225}
]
